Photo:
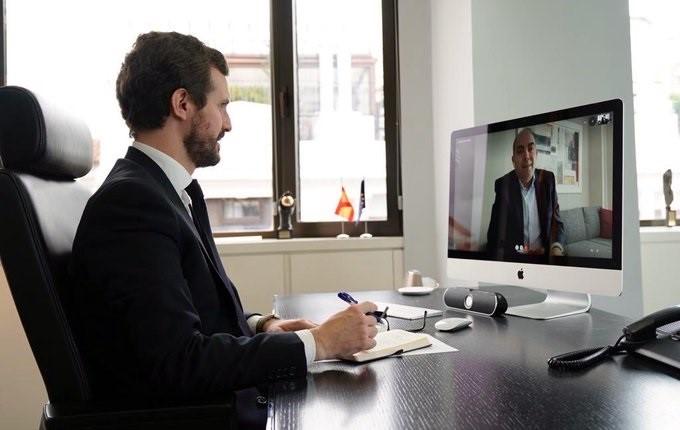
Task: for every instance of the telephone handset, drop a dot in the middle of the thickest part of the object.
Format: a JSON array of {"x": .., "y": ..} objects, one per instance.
[
  {"x": 645, "y": 329},
  {"x": 634, "y": 336}
]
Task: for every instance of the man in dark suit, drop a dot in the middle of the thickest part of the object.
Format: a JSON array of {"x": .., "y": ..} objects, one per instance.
[
  {"x": 157, "y": 316},
  {"x": 525, "y": 218}
]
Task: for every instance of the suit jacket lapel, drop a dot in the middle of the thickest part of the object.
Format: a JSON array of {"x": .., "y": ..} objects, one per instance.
[
  {"x": 170, "y": 192},
  {"x": 211, "y": 254},
  {"x": 518, "y": 202},
  {"x": 200, "y": 213},
  {"x": 201, "y": 216}
]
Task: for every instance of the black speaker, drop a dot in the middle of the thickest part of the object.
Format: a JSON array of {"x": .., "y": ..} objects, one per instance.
[{"x": 475, "y": 301}]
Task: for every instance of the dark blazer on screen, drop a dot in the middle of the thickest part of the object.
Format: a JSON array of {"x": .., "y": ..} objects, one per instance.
[
  {"x": 506, "y": 227},
  {"x": 156, "y": 314}
]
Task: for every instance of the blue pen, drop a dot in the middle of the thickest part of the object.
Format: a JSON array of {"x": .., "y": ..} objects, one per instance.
[{"x": 349, "y": 299}]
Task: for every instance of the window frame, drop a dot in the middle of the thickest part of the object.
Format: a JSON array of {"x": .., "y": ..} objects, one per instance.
[
  {"x": 284, "y": 124},
  {"x": 645, "y": 222},
  {"x": 286, "y": 150}
]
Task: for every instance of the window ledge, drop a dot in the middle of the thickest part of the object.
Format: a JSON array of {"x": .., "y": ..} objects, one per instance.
[
  {"x": 659, "y": 234},
  {"x": 256, "y": 245}
]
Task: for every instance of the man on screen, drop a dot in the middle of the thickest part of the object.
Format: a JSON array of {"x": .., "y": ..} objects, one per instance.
[{"x": 525, "y": 218}]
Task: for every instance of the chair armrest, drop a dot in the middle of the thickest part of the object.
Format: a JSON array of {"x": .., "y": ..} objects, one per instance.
[{"x": 216, "y": 414}]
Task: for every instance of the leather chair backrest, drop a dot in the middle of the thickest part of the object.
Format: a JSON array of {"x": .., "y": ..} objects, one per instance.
[{"x": 42, "y": 151}]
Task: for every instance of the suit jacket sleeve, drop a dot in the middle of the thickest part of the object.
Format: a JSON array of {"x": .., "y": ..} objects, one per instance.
[
  {"x": 131, "y": 258},
  {"x": 493, "y": 239}
]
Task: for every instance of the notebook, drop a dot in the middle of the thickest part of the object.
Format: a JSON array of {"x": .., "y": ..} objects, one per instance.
[
  {"x": 407, "y": 312},
  {"x": 393, "y": 341}
]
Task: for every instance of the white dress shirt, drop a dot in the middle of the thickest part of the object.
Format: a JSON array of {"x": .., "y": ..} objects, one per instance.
[
  {"x": 180, "y": 179},
  {"x": 532, "y": 227}
]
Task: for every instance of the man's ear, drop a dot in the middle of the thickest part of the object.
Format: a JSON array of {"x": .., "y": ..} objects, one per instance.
[{"x": 181, "y": 104}]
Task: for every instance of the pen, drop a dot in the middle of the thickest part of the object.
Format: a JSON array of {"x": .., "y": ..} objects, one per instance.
[{"x": 349, "y": 299}]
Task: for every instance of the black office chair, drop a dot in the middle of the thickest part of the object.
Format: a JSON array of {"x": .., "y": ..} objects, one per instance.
[{"x": 42, "y": 151}]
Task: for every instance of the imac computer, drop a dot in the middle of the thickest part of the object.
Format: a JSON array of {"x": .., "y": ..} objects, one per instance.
[{"x": 537, "y": 202}]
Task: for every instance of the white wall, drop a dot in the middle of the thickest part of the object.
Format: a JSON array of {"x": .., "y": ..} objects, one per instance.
[
  {"x": 22, "y": 393},
  {"x": 549, "y": 55},
  {"x": 452, "y": 103},
  {"x": 525, "y": 60},
  {"x": 428, "y": 117},
  {"x": 660, "y": 272},
  {"x": 417, "y": 151}
]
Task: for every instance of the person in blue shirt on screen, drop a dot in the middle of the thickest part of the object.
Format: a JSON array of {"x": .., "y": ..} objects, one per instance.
[{"x": 525, "y": 218}]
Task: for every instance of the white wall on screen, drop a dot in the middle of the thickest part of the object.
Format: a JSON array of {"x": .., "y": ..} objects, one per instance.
[
  {"x": 600, "y": 152},
  {"x": 478, "y": 227},
  {"x": 467, "y": 184}
]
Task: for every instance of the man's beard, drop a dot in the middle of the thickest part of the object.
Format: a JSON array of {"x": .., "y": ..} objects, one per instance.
[{"x": 202, "y": 150}]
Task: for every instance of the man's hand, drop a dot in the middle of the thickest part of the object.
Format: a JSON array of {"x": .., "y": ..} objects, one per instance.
[
  {"x": 346, "y": 332},
  {"x": 277, "y": 326}
]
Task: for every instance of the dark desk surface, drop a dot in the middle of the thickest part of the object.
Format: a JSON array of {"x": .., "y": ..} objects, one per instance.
[{"x": 498, "y": 379}]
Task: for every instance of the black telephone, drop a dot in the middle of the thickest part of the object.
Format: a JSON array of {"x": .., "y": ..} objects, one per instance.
[{"x": 634, "y": 336}]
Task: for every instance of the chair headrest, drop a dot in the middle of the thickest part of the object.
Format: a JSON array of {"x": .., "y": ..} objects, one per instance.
[{"x": 38, "y": 138}]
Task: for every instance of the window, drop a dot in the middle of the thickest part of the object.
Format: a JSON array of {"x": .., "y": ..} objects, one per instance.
[
  {"x": 340, "y": 121},
  {"x": 655, "y": 38},
  {"x": 313, "y": 105}
]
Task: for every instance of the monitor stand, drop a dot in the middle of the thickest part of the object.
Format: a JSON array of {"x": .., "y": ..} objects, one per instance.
[{"x": 556, "y": 304}]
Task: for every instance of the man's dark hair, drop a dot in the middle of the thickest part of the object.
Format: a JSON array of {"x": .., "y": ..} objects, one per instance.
[{"x": 159, "y": 64}]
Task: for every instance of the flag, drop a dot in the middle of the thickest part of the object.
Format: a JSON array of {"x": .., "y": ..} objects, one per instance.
[
  {"x": 362, "y": 201},
  {"x": 345, "y": 208}
]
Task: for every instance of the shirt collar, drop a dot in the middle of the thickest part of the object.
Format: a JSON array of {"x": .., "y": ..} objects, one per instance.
[
  {"x": 176, "y": 173},
  {"x": 531, "y": 182}
]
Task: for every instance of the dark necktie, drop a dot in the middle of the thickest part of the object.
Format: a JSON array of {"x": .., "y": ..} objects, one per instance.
[{"x": 199, "y": 212}]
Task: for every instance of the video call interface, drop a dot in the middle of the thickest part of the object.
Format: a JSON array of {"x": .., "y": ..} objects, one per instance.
[{"x": 542, "y": 192}]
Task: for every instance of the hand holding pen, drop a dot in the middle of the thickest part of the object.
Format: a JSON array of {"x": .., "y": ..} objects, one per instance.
[
  {"x": 347, "y": 332},
  {"x": 349, "y": 299}
]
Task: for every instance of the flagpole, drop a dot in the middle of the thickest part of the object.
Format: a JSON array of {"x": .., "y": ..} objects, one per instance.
[
  {"x": 362, "y": 206},
  {"x": 366, "y": 234},
  {"x": 342, "y": 235}
]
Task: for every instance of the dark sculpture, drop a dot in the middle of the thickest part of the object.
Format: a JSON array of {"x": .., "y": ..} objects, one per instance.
[
  {"x": 286, "y": 209},
  {"x": 668, "y": 196},
  {"x": 667, "y": 191}
]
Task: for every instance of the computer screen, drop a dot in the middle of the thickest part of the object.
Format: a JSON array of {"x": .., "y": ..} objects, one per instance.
[{"x": 537, "y": 201}]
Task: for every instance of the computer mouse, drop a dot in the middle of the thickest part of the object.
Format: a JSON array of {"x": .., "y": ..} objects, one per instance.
[{"x": 452, "y": 324}]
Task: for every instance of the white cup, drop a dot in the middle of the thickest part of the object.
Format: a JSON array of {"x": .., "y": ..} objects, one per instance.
[{"x": 430, "y": 282}]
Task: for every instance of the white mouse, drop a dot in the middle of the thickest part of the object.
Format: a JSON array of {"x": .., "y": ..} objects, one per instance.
[{"x": 452, "y": 324}]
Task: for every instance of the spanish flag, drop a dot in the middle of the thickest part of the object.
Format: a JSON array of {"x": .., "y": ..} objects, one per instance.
[{"x": 345, "y": 208}]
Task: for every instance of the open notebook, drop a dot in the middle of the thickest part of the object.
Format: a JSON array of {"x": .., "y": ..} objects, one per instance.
[{"x": 391, "y": 342}]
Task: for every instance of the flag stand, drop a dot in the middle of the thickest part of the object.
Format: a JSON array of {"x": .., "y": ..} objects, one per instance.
[
  {"x": 366, "y": 234},
  {"x": 342, "y": 235}
]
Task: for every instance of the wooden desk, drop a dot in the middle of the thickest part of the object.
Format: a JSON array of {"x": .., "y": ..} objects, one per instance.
[{"x": 498, "y": 379}]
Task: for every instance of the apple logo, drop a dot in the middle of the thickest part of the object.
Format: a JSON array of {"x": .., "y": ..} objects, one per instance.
[{"x": 520, "y": 273}]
